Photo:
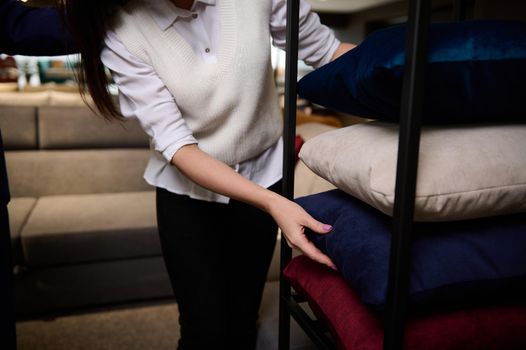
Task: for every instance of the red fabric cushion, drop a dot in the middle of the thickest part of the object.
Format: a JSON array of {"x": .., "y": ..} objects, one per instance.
[
  {"x": 298, "y": 142},
  {"x": 355, "y": 327}
]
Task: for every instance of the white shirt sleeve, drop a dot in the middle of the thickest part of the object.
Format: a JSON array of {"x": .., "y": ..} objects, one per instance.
[
  {"x": 317, "y": 42},
  {"x": 143, "y": 95}
]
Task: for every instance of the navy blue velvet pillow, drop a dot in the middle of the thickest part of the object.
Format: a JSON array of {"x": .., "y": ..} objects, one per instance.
[
  {"x": 451, "y": 261},
  {"x": 475, "y": 72}
]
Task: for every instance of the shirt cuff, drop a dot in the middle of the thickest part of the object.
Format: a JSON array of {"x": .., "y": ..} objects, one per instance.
[{"x": 170, "y": 151}]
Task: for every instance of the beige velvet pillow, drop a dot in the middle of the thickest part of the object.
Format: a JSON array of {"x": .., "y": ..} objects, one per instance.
[{"x": 464, "y": 171}]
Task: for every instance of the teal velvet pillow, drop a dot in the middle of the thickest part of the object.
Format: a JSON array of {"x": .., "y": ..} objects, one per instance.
[{"x": 475, "y": 73}]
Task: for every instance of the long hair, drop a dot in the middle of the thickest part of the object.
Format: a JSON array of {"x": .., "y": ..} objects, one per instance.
[{"x": 87, "y": 21}]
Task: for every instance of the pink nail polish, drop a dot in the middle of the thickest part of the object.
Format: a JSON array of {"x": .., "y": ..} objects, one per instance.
[
  {"x": 327, "y": 228},
  {"x": 334, "y": 267}
]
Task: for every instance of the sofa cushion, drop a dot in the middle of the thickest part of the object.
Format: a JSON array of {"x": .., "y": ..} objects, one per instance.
[
  {"x": 39, "y": 290},
  {"x": 474, "y": 73},
  {"x": 19, "y": 210},
  {"x": 19, "y": 127},
  {"x": 82, "y": 228},
  {"x": 15, "y": 98},
  {"x": 79, "y": 127},
  {"x": 464, "y": 172},
  {"x": 69, "y": 98},
  {"x": 43, "y": 173}
]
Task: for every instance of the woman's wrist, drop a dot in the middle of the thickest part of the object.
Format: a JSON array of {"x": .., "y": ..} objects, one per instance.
[
  {"x": 342, "y": 49},
  {"x": 269, "y": 201}
]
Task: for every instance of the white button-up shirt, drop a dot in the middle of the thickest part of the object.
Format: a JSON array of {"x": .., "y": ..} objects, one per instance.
[{"x": 143, "y": 95}]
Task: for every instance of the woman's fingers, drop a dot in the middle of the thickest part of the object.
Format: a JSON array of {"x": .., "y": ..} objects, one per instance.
[
  {"x": 313, "y": 252},
  {"x": 293, "y": 219},
  {"x": 309, "y": 249},
  {"x": 318, "y": 227}
]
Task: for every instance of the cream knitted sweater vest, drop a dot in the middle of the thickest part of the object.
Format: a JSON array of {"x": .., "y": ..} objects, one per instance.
[{"x": 230, "y": 106}]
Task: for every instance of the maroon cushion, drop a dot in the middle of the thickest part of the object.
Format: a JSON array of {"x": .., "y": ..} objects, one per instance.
[
  {"x": 298, "y": 142},
  {"x": 355, "y": 327}
]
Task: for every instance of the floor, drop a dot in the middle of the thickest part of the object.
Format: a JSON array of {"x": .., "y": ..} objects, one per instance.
[{"x": 148, "y": 325}]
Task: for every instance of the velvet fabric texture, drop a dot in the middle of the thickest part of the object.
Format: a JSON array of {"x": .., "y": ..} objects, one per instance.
[
  {"x": 298, "y": 142},
  {"x": 460, "y": 174},
  {"x": 26, "y": 30},
  {"x": 354, "y": 327},
  {"x": 475, "y": 73},
  {"x": 451, "y": 262}
]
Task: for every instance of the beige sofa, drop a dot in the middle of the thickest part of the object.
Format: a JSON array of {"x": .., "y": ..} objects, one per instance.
[{"x": 82, "y": 218}]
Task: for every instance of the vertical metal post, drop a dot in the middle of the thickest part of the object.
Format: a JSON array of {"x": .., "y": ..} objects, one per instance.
[
  {"x": 7, "y": 314},
  {"x": 459, "y": 10},
  {"x": 289, "y": 133},
  {"x": 406, "y": 174}
]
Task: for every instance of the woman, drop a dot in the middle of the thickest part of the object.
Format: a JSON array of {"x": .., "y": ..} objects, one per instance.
[{"x": 197, "y": 75}]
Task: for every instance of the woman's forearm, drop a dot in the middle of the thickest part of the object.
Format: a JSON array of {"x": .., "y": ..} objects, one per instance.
[
  {"x": 220, "y": 178},
  {"x": 216, "y": 176}
]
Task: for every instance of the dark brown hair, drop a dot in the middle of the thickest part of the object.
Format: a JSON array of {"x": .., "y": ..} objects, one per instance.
[{"x": 87, "y": 22}]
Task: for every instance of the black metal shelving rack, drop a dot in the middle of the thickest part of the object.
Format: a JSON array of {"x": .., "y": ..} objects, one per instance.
[{"x": 419, "y": 13}]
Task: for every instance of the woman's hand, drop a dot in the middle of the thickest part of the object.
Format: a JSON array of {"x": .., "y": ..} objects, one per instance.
[{"x": 293, "y": 219}]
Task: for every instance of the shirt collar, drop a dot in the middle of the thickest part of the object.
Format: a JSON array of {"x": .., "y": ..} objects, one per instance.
[{"x": 165, "y": 13}]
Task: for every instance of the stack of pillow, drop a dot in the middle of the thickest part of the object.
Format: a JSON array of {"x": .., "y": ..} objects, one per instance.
[{"x": 470, "y": 209}]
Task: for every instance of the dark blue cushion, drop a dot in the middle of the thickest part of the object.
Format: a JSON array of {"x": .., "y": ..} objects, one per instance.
[
  {"x": 26, "y": 30},
  {"x": 451, "y": 261},
  {"x": 475, "y": 73}
]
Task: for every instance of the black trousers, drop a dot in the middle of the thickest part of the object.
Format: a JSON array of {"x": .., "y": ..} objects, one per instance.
[{"x": 217, "y": 256}]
